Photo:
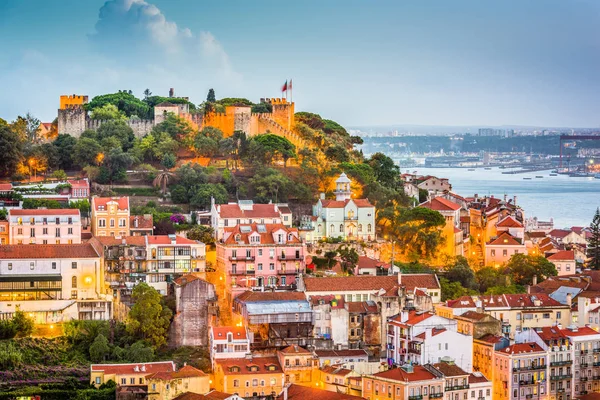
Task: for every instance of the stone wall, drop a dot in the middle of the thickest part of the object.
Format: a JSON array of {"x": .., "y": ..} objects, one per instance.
[
  {"x": 72, "y": 121},
  {"x": 141, "y": 127},
  {"x": 192, "y": 320}
]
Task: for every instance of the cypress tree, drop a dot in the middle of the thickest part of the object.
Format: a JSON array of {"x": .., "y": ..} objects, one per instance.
[{"x": 593, "y": 248}]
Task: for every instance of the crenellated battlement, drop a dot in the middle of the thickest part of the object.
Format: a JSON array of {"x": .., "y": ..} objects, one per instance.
[{"x": 72, "y": 101}]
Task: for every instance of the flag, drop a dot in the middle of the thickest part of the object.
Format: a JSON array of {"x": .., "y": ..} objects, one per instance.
[
  {"x": 284, "y": 88},
  {"x": 290, "y": 85}
]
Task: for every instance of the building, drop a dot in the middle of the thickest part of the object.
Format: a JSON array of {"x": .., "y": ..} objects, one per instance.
[
  {"x": 44, "y": 226},
  {"x": 167, "y": 385},
  {"x": 196, "y": 310},
  {"x": 484, "y": 353},
  {"x": 499, "y": 250},
  {"x": 409, "y": 382},
  {"x": 338, "y": 379},
  {"x": 299, "y": 365},
  {"x": 345, "y": 217},
  {"x": 133, "y": 374},
  {"x": 510, "y": 225},
  {"x": 370, "y": 266},
  {"x": 478, "y": 324},
  {"x": 521, "y": 372},
  {"x": 110, "y": 216},
  {"x": 249, "y": 376},
  {"x": 351, "y": 358},
  {"x": 257, "y": 256},
  {"x": 53, "y": 283},
  {"x": 4, "y": 229},
  {"x": 456, "y": 380},
  {"x": 298, "y": 392},
  {"x": 228, "y": 342},
  {"x": 141, "y": 225},
  {"x": 564, "y": 261},
  {"x": 247, "y": 213},
  {"x": 212, "y": 395},
  {"x": 586, "y": 358},
  {"x": 452, "y": 234}
]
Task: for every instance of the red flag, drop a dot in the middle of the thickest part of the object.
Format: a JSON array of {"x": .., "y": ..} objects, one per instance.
[
  {"x": 290, "y": 85},
  {"x": 284, "y": 88}
]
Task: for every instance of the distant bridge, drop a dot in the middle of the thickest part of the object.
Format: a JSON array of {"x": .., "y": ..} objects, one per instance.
[{"x": 565, "y": 138}]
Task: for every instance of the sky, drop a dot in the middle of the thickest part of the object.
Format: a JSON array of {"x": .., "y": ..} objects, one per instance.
[{"x": 361, "y": 63}]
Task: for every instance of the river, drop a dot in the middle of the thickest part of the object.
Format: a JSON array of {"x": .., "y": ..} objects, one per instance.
[{"x": 569, "y": 201}]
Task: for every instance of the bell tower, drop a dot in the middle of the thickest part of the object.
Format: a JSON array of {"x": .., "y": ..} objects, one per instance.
[{"x": 342, "y": 188}]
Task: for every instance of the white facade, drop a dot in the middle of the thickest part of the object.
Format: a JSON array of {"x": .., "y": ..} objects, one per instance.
[
  {"x": 245, "y": 212},
  {"x": 228, "y": 342},
  {"x": 437, "y": 345}
]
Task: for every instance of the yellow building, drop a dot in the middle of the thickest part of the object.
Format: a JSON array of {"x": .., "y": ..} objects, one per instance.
[
  {"x": 484, "y": 353},
  {"x": 133, "y": 374},
  {"x": 453, "y": 236},
  {"x": 168, "y": 385},
  {"x": 72, "y": 101},
  {"x": 298, "y": 365},
  {"x": 110, "y": 216},
  {"x": 337, "y": 379},
  {"x": 251, "y": 376}
]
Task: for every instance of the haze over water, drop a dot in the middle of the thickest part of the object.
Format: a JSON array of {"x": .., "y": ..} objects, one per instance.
[{"x": 570, "y": 201}]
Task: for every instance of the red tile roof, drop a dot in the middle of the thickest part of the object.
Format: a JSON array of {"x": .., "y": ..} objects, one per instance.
[
  {"x": 362, "y": 307},
  {"x": 477, "y": 377},
  {"x": 558, "y": 233},
  {"x": 440, "y": 204},
  {"x": 331, "y": 299},
  {"x": 233, "y": 210},
  {"x": 39, "y": 251},
  {"x": 295, "y": 349},
  {"x": 434, "y": 332},
  {"x": 186, "y": 372},
  {"x": 214, "y": 395},
  {"x": 472, "y": 315},
  {"x": 188, "y": 278},
  {"x": 521, "y": 348},
  {"x": 78, "y": 184},
  {"x": 369, "y": 282},
  {"x": 49, "y": 211},
  {"x": 450, "y": 369},
  {"x": 165, "y": 239},
  {"x": 505, "y": 239},
  {"x": 297, "y": 392},
  {"x": 6, "y": 187},
  {"x": 122, "y": 202},
  {"x": 244, "y": 365},
  {"x": 360, "y": 203},
  {"x": 130, "y": 369},
  {"x": 127, "y": 240},
  {"x": 581, "y": 331},
  {"x": 368, "y": 262},
  {"x": 549, "y": 333},
  {"x": 335, "y": 370},
  {"x": 491, "y": 338},
  {"x": 143, "y": 222},
  {"x": 413, "y": 318},
  {"x": 398, "y": 374},
  {"x": 509, "y": 222},
  {"x": 564, "y": 255},
  {"x": 267, "y": 237},
  {"x": 220, "y": 332},
  {"x": 251, "y": 296},
  {"x": 341, "y": 353}
]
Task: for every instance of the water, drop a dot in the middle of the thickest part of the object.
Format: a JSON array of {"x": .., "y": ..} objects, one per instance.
[{"x": 570, "y": 201}]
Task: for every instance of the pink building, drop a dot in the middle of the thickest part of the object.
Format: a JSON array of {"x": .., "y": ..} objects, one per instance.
[
  {"x": 80, "y": 189},
  {"x": 256, "y": 256},
  {"x": 43, "y": 226}
]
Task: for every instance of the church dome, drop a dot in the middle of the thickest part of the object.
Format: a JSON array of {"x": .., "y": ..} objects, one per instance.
[{"x": 343, "y": 178}]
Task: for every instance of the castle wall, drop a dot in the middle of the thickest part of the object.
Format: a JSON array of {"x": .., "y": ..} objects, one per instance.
[
  {"x": 72, "y": 121},
  {"x": 72, "y": 101},
  {"x": 141, "y": 127},
  {"x": 241, "y": 119},
  {"x": 161, "y": 111},
  {"x": 224, "y": 121}
]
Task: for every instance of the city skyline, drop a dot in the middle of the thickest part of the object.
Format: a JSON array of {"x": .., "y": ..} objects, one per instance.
[{"x": 464, "y": 63}]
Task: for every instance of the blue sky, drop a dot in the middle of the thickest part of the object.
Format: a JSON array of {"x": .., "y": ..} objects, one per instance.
[{"x": 436, "y": 62}]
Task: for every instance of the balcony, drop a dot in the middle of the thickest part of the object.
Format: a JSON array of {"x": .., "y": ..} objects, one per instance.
[
  {"x": 596, "y": 378},
  {"x": 530, "y": 368},
  {"x": 438, "y": 395},
  {"x": 597, "y": 350},
  {"x": 561, "y": 363},
  {"x": 289, "y": 257},
  {"x": 527, "y": 382},
  {"x": 583, "y": 379},
  {"x": 414, "y": 351},
  {"x": 459, "y": 387},
  {"x": 560, "y": 377},
  {"x": 287, "y": 272},
  {"x": 242, "y": 272},
  {"x": 417, "y": 397},
  {"x": 244, "y": 258},
  {"x": 584, "y": 351},
  {"x": 584, "y": 365},
  {"x": 351, "y": 217},
  {"x": 560, "y": 390}
]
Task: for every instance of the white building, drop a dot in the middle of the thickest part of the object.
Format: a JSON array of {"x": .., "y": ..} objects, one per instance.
[
  {"x": 246, "y": 212},
  {"x": 229, "y": 342},
  {"x": 564, "y": 261},
  {"x": 44, "y": 226},
  {"x": 53, "y": 283},
  {"x": 345, "y": 217}
]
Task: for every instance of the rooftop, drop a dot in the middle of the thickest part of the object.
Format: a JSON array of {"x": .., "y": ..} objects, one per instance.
[
  {"x": 45, "y": 211},
  {"x": 244, "y": 365},
  {"x": 369, "y": 282},
  {"x": 297, "y": 392},
  {"x": 564, "y": 255},
  {"x": 185, "y": 372},
  {"x": 122, "y": 202},
  {"x": 220, "y": 332},
  {"x": 38, "y": 251},
  {"x": 135, "y": 368},
  {"x": 440, "y": 204},
  {"x": 450, "y": 369},
  {"x": 398, "y": 374},
  {"x": 233, "y": 210},
  {"x": 522, "y": 348}
]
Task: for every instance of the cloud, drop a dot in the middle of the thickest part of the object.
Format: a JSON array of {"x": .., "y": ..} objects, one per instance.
[{"x": 138, "y": 32}]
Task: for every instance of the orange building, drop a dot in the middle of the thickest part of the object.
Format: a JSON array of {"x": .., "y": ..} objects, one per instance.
[
  {"x": 453, "y": 236},
  {"x": 250, "y": 376},
  {"x": 4, "y": 232},
  {"x": 409, "y": 382},
  {"x": 110, "y": 216},
  {"x": 298, "y": 365}
]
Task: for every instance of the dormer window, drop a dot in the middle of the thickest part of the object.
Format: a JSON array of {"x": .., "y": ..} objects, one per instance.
[
  {"x": 253, "y": 368},
  {"x": 270, "y": 367},
  {"x": 238, "y": 237},
  {"x": 290, "y": 237},
  {"x": 229, "y": 337},
  {"x": 234, "y": 369}
]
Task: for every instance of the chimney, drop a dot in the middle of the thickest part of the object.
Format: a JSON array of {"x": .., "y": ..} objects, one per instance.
[
  {"x": 534, "y": 280},
  {"x": 505, "y": 197},
  {"x": 404, "y": 316},
  {"x": 479, "y": 305},
  {"x": 171, "y": 92},
  {"x": 528, "y": 287},
  {"x": 399, "y": 277},
  {"x": 515, "y": 200},
  {"x": 569, "y": 299},
  {"x": 135, "y": 222}
]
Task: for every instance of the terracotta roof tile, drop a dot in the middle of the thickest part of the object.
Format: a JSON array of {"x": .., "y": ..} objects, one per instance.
[
  {"x": 244, "y": 365},
  {"x": 6, "y": 187},
  {"x": 297, "y": 392},
  {"x": 521, "y": 348},
  {"x": 505, "y": 239},
  {"x": 450, "y": 369},
  {"x": 122, "y": 202},
  {"x": 398, "y": 374},
  {"x": 39, "y": 251},
  {"x": 186, "y": 372},
  {"x": 440, "y": 204},
  {"x": 295, "y": 349},
  {"x": 472, "y": 315},
  {"x": 130, "y": 369},
  {"x": 559, "y": 233},
  {"x": 165, "y": 239},
  {"x": 565, "y": 255},
  {"x": 213, "y": 395},
  {"x": 581, "y": 331},
  {"x": 233, "y": 210},
  {"x": 369, "y": 282},
  {"x": 509, "y": 222},
  {"x": 143, "y": 222},
  {"x": 477, "y": 377},
  {"x": 78, "y": 184},
  {"x": 434, "y": 332},
  {"x": 252, "y": 297},
  {"x": 491, "y": 338},
  {"x": 335, "y": 370},
  {"x": 362, "y": 307},
  {"x": 360, "y": 203},
  {"x": 220, "y": 332},
  {"x": 49, "y": 212},
  {"x": 266, "y": 237},
  {"x": 413, "y": 318},
  {"x": 341, "y": 353},
  {"x": 185, "y": 279}
]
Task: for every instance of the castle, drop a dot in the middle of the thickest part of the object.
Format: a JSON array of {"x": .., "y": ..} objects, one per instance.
[{"x": 73, "y": 119}]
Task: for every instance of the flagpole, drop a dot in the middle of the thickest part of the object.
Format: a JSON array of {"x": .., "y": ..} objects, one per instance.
[{"x": 291, "y": 93}]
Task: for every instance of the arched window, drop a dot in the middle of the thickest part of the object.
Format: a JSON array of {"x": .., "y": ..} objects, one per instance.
[
  {"x": 360, "y": 227},
  {"x": 238, "y": 237},
  {"x": 341, "y": 228},
  {"x": 332, "y": 228},
  {"x": 319, "y": 227},
  {"x": 369, "y": 228},
  {"x": 74, "y": 282},
  {"x": 272, "y": 280}
]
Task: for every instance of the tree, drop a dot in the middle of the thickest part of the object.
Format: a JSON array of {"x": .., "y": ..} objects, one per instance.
[
  {"x": 276, "y": 146},
  {"x": 23, "y": 324},
  {"x": 149, "y": 318},
  {"x": 168, "y": 161},
  {"x": 59, "y": 175},
  {"x": 330, "y": 257},
  {"x": 337, "y": 153},
  {"x": 10, "y": 148},
  {"x": 32, "y": 128},
  {"x": 147, "y": 93},
  {"x": 174, "y": 126},
  {"x": 211, "y": 96},
  {"x": 523, "y": 268},
  {"x": 116, "y": 129},
  {"x": 205, "y": 146},
  {"x": 203, "y": 193},
  {"x": 593, "y": 248},
  {"x": 454, "y": 290},
  {"x": 418, "y": 231},
  {"x": 87, "y": 152},
  {"x": 64, "y": 145},
  {"x": 386, "y": 171},
  {"x": 461, "y": 272},
  {"x": 126, "y": 102},
  {"x": 349, "y": 258},
  {"x": 108, "y": 112},
  {"x": 140, "y": 353},
  {"x": 489, "y": 277},
  {"x": 99, "y": 349},
  {"x": 162, "y": 179},
  {"x": 270, "y": 185},
  {"x": 202, "y": 233}
]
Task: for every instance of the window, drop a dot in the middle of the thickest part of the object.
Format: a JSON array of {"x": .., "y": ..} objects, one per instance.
[
  {"x": 57, "y": 232},
  {"x": 360, "y": 227},
  {"x": 505, "y": 253},
  {"x": 9, "y": 266},
  {"x": 236, "y": 383},
  {"x": 272, "y": 266},
  {"x": 369, "y": 228},
  {"x": 260, "y": 266},
  {"x": 260, "y": 252},
  {"x": 558, "y": 315},
  {"x": 74, "y": 265},
  {"x": 122, "y": 222},
  {"x": 332, "y": 228},
  {"x": 132, "y": 381},
  {"x": 45, "y": 231},
  {"x": 112, "y": 222},
  {"x": 74, "y": 282},
  {"x": 70, "y": 231},
  {"x": 546, "y": 316},
  {"x": 53, "y": 264},
  {"x": 493, "y": 253},
  {"x": 20, "y": 231},
  {"x": 123, "y": 381},
  {"x": 32, "y": 232},
  {"x": 102, "y": 223},
  {"x": 341, "y": 228}
]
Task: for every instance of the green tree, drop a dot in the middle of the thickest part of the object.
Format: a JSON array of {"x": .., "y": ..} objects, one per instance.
[
  {"x": 32, "y": 128},
  {"x": 276, "y": 146},
  {"x": 147, "y": 94},
  {"x": 64, "y": 145},
  {"x": 505, "y": 289},
  {"x": 211, "y": 96},
  {"x": 202, "y": 233},
  {"x": 203, "y": 193},
  {"x": 593, "y": 247},
  {"x": 10, "y": 148},
  {"x": 23, "y": 324},
  {"x": 330, "y": 257},
  {"x": 99, "y": 349},
  {"x": 270, "y": 185},
  {"x": 523, "y": 268},
  {"x": 349, "y": 258},
  {"x": 386, "y": 171},
  {"x": 337, "y": 153},
  {"x": 162, "y": 180},
  {"x": 205, "y": 146},
  {"x": 125, "y": 102},
  {"x": 140, "y": 353},
  {"x": 489, "y": 277},
  {"x": 454, "y": 290},
  {"x": 149, "y": 318},
  {"x": 418, "y": 231},
  {"x": 108, "y": 112},
  {"x": 168, "y": 161},
  {"x": 174, "y": 126},
  {"x": 116, "y": 129},
  {"x": 59, "y": 175},
  {"x": 86, "y": 152},
  {"x": 461, "y": 272}
]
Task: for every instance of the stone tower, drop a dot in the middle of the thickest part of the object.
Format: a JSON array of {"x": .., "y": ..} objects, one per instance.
[{"x": 342, "y": 188}]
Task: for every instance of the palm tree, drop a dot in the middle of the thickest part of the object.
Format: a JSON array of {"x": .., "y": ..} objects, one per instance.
[{"x": 162, "y": 179}]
